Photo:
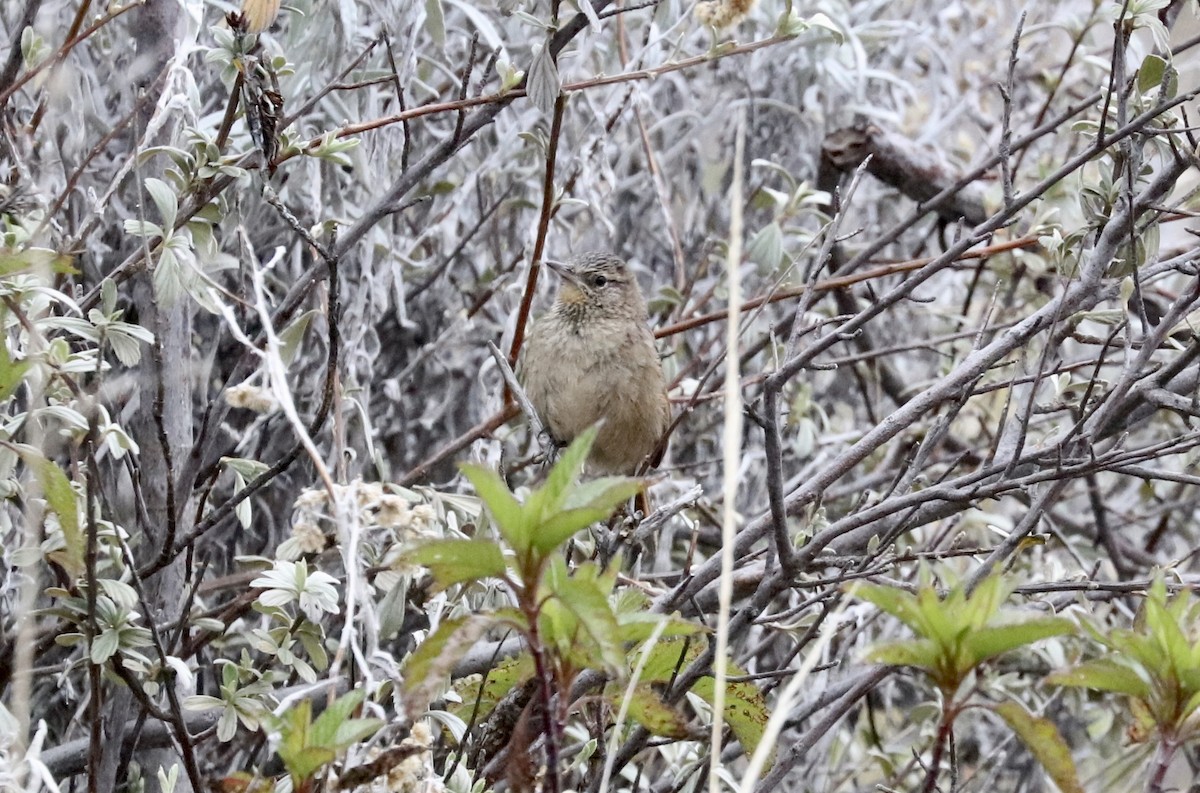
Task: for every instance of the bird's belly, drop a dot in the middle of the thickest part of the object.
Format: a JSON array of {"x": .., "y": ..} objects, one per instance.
[
  {"x": 581, "y": 388},
  {"x": 621, "y": 387}
]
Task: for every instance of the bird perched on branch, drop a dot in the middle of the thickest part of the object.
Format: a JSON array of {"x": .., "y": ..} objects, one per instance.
[{"x": 591, "y": 359}]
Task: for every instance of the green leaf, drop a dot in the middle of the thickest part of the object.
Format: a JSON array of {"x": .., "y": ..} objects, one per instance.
[
  {"x": 562, "y": 525},
  {"x": 745, "y": 709},
  {"x": 60, "y": 498},
  {"x": 506, "y": 510},
  {"x": 1044, "y": 742},
  {"x": 300, "y": 757},
  {"x": 551, "y": 497},
  {"x": 648, "y": 710},
  {"x": 1164, "y": 627},
  {"x": 983, "y": 603},
  {"x": 1150, "y": 75},
  {"x": 585, "y": 595},
  {"x": 335, "y": 729},
  {"x": 1103, "y": 674},
  {"x": 919, "y": 653},
  {"x": 427, "y": 668},
  {"x": 988, "y": 642},
  {"x": 454, "y": 561},
  {"x": 669, "y": 657},
  {"x": 34, "y": 260},
  {"x": 489, "y": 689},
  {"x": 12, "y": 373},
  {"x": 900, "y": 604},
  {"x": 582, "y": 506},
  {"x": 638, "y": 627}
]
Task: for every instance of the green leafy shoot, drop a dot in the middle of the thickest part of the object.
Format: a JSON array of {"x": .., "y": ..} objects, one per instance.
[
  {"x": 1155, "y": 664},
  {"x": 306, "y": 746},
  {"x": 572, "y": 618},
  {"x": 531, "y": 531},
  {"x": 955, "y": 633}
]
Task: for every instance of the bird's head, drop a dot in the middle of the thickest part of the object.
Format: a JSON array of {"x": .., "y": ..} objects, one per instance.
[{"x": 598, "y": 285}]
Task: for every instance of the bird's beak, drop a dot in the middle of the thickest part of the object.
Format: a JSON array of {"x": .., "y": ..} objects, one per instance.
[
  {"x": 564, "y": 272},
  {"x": 571, "y": 291}
]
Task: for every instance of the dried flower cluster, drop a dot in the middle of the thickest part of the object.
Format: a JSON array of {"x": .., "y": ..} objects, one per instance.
[{"x": 721, "y": 14}]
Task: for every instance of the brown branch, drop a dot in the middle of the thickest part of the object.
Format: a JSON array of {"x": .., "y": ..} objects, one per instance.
[
  {"x": 841, "y": 282},
  {"x": 539, "y": 245},
  {"x": 506, "y": 97},
  {"x": 481, "y": 430},
  {"x": 914, "y": 171}
]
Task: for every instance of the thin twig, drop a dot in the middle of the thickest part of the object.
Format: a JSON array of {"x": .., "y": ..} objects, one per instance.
[{"x": 514, "y": 387}]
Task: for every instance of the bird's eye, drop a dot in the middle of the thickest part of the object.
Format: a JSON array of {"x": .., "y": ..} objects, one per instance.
[{"x": 599, "y": 280}]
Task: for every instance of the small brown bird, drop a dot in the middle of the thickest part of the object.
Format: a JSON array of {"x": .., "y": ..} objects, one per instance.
[{"x": 591, "y": 358}]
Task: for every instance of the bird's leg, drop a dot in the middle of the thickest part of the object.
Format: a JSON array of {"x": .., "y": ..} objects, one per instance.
[{"x": 549, "y": 447}]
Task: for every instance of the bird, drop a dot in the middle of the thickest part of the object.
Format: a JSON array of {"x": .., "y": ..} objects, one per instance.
[{"x": 591, "y": 359}]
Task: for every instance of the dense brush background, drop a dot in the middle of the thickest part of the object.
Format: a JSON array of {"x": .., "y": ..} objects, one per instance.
[{"x": 438, "y": 217}]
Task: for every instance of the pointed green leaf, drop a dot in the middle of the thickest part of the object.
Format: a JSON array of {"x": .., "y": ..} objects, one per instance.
[
  {"x": 35, "y": 260},
  {"x": 648, "y": 710},
  {"x": 891, "y": 600},
  {"x": 668, "y": 657},
  {"x": 549, "y": 499},
  {"x": 607, "y": 492},
  {"x": 60, "y": 498},
  {"x": 427, "y": 668},
  {"x": 583, "y": 506},
  {"x": 1165, "y": 629},
  {"x": 456, "y": 561},
  {"x": 585, "y": 595},
  {"x": 1103, "y": 674},
  {"x": 638, "y": 627},
  {"x": 745, "y": 709},
  {"x": 986, "y": 600},
  {"x": 351, "y": 731},
  {"x": 942, "y": 621},
  {"x": 324, "y": 729},
  {"x": 988, "y": 642},
  {"x": 506, "y": 510},
  {"x": 919, "y": 653},
  {"x": 300, "y": 757},
  {"x": 562, "y": 525},
  {"x": 1044, "y": 742}
]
